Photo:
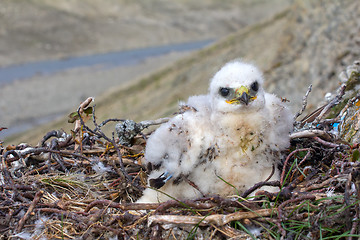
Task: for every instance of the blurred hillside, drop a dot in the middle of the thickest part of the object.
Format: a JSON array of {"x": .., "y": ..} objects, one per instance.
[
  {"x": 33, "y": 30},
  {"x": 310, "y": 42}
]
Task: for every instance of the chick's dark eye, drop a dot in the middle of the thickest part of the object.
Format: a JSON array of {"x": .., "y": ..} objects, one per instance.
[
  {"x": 254, "y": 86},
  {"x": 224, "y": 92}
]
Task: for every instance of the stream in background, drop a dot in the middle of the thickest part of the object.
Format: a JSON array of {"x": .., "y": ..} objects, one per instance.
[{"x": 107, "y": 61}]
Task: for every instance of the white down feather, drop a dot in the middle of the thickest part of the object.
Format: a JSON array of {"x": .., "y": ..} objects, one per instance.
[{"x": 214, "y": 140}]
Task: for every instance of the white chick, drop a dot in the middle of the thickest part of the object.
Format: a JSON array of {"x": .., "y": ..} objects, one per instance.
[{"x": 231, "y": 137}]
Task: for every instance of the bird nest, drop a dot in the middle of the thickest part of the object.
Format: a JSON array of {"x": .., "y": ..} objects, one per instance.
[{"x": 83, "y": 185}]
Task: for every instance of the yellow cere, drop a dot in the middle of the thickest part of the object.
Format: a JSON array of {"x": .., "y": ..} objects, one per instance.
[
  {"x": 241, "y": 90},
  {"x": 238, "y": 93}
]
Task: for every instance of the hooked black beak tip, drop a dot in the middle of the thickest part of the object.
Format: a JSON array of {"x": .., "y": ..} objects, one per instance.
[{"x": 244, "y": 98}]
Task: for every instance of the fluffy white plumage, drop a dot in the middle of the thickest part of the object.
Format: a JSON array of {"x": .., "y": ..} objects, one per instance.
[{"x": 234, "y": 133}]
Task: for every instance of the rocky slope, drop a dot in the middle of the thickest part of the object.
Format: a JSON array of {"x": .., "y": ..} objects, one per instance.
[
  {"x": 33, "y": 30},
  {"x": 310, "y": 43}
]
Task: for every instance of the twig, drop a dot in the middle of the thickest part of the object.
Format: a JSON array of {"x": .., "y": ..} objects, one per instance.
[
  {"x": 39, "y": 150},
  {"x": 226, "y": 202},
  {"x": 326, "y": 143},
  {"x": 109, "y": 120},
  {"x": 67, "y": 214},
  {"x": 122, "y": 167},
  {"x": 311, "y": 116},
  {"x": 4, "y": 167},
  {"x": 332, "y": 103},
  {"x": 304, "y": 104},
  {"x": 259, "y": 185},
  {"x": 296, "y": 200},
  {"x": 216, "y": 219},
  {"x": 303, "y": 160},
  {"x": 310, "y": 133},
  {"x": 271, "y": 174},
  {"x": 347, "y": 201},
  {"x": 148, "y": 123},
  {"x": 36, "y": 199},
  {"x": 58, "y": 134},
  {"x": 123, "y": 206},
  {"x": 58, "y": 158},
  {"x": 286, "y": 161},
  {"x": 285, "y": 193},
  {"x": 79, "y": 122},
  {"x": 322, "y": 184},
  {"x": 107, "y": 203},
  {"x": 18, "y": 187},
  {"x": 99, "y": 133},
  {"x": 188, "y": 203},
  {"x": 354, "y": 227}
]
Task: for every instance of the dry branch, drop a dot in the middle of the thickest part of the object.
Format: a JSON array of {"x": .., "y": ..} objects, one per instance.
[
  {"x": 332, "y": 103},
  {"x": 216, "y": 219},
  {"x": 282, "y": 178},
  {"x": 304, "y": 104},
  {"x": 22, "y": 221},
  {"x": 309, "y": 133}
]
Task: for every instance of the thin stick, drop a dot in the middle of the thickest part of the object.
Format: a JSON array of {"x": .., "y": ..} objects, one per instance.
[
  {"x": 110, "y": 120},
  {"x": 36, "y": 199},
  {"x": 38, "y": 150},
  {"x": 286, "y": 161},
  {"x": 259, "y": 185},
  {"x": 124, "y": 206},
  {"x": 99, "y": 133},
  {"x": 304, "y": 104},
  {"x": 332, "y": 103},
  {"x": 302, "y": 161},
  {"x": 299, "y": 199},
  {"x": 78, "y": 129},
  {"x": 188, "y": 203},
  {"x": 322, "y": 184},
  {"x": 147, "y": 123},
  {"x": 326, "y": 143}
]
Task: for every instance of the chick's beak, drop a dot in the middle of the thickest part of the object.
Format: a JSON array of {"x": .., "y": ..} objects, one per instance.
[
  {"x": 244, "y": 98},
  {"x": 241, "y": 96}
]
